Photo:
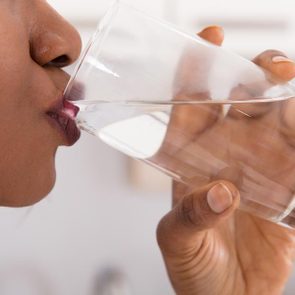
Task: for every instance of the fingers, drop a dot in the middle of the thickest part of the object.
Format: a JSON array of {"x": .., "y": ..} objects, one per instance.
[
  {"x": 197, "y": 118},
  {"x": 282, "y": 68},
  {"x": 277, "y": 63},
  {"x": 194, "y": 65},
  {"x": 288, "y": 122},
  {"x": 191, "y": 84},
  {"x": 213, "y": 34},
  {"x": 185, "y": 226}
]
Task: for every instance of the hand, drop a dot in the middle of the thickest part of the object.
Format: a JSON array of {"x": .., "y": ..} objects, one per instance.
[{"x": 208, "y": 247}]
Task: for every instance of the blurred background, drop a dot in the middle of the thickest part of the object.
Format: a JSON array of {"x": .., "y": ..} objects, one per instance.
[{"x": 95, "y": 233}]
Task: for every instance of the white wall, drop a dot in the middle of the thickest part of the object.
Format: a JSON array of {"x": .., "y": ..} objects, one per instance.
[
  {"x": 91, "y": 221},
  {"x": 251, "y": 26}
]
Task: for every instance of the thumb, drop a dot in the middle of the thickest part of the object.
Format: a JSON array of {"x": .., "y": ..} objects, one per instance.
[{"x": 186, "y": 225}]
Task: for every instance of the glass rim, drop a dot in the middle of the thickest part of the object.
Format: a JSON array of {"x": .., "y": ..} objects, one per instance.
[
  {"x": 104, "y": 26},
  {"x": 100, "y": 30}
]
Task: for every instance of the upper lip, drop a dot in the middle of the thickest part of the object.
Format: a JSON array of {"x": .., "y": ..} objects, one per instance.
[
  {"x": 63, "y": 107},
  {"x": 64, "y": 113}
]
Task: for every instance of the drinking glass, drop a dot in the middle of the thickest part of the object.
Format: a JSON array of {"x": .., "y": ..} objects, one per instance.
[{"x": 191, "y": 109}]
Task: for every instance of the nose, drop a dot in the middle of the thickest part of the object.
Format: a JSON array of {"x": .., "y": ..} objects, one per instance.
[{"x": 53, "y": 41}]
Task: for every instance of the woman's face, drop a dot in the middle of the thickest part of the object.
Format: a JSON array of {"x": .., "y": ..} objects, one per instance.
[{"x": 35, "y": 42}]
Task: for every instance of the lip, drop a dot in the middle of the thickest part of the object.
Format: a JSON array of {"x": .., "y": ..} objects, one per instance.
[{"x": 62, "y": 117}]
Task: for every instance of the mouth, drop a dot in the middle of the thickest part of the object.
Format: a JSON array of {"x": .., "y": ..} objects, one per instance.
[{"x": 62, "y": 117}]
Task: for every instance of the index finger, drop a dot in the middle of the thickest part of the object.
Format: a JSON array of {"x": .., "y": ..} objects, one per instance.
[
  {"x": 186, "y": 121},
  {"x": 191, "y": 84}
]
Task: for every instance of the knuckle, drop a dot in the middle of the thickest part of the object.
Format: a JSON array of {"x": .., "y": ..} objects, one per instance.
[
  {"x": 193, "y": 211},
  {"x": 162, "y": 233}
]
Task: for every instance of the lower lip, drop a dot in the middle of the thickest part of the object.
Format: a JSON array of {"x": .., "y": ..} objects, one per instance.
[{"x": 71, "y": 132}]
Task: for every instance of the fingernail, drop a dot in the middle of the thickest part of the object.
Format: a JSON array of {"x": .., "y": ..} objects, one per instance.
[
  {"x": 280, "y": 58},
  {"x": 219, "y": 198},
  {"x": 213, "y": 27}
]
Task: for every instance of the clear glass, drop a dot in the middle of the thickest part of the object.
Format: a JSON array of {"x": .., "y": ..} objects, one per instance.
[{"x": 191, "y": 109}]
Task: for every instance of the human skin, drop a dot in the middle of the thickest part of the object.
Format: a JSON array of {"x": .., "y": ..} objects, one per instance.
[
  {"x": 208, "y": 246},
  {"x": 36, "y": 43},
  {"x": 211, "y": 253}
]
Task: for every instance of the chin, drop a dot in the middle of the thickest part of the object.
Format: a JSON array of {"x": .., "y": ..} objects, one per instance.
[{"x": 30, "y": 190}]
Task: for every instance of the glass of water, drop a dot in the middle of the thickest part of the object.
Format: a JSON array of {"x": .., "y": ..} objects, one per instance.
[{"x": 189, "y": 108}]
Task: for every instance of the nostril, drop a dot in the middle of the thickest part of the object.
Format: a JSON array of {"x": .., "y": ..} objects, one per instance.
[{"x": 60, "y": 61}]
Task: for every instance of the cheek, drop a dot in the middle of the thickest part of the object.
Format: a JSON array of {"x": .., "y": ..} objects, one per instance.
[
  {"x": 28, "y": 161},
  {"x": 27, "y": 143},
  {"x": 28, "y": 146}
]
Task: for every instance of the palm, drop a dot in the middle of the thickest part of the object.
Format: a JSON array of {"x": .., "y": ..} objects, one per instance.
[
  {"x": 245, "y": 250},
  {"x": 266, "y": 255},
  {"x": 253, "y": 151},
  {"x": 242, "y": 255},
  {"x": 246, "y": 255},
  {"x": 252, "y": 146}
]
